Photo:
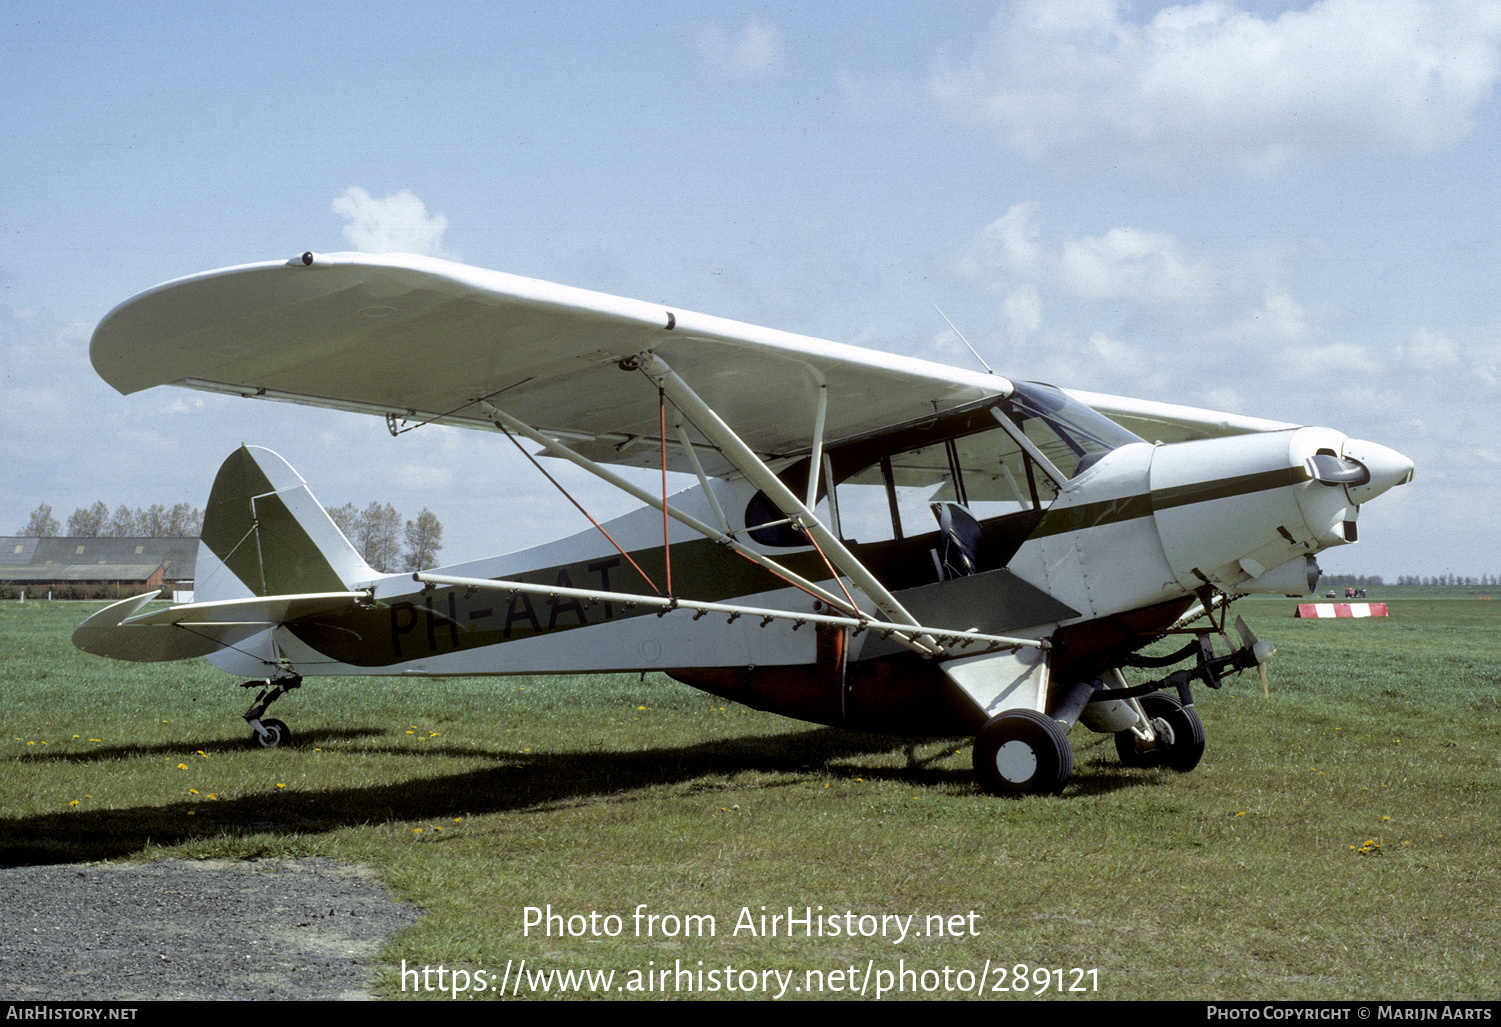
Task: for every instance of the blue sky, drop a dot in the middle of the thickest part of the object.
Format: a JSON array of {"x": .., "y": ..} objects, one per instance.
[{"x": 1288, "y": 210}]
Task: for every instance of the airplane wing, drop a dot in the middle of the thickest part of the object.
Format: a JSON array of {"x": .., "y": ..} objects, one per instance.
[
  {"x": 1168, "y": 422},
  {"x": 423, "y": 339}
]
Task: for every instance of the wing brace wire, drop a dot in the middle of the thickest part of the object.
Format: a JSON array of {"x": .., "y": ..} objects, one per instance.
[
  {"x": 754, "y": 468},
  {"x": 505, "y": 420},
  {"x": 719, "y": 434}
]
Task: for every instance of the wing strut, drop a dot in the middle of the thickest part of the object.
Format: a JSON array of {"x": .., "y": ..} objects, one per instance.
[
  {"x": 925, "y": 646},
  {"x": 754, "y": 468},
  {"x": 667, "y": 604}
]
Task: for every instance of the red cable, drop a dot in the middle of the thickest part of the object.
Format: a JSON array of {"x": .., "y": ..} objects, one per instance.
[{"x": 581, "y": 510}]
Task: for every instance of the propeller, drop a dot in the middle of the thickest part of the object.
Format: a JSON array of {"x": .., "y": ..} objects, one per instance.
[{"x": 1262, "y": 651}]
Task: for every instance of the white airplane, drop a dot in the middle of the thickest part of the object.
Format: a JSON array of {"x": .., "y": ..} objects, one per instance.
[{"x": 875, "y": 541}]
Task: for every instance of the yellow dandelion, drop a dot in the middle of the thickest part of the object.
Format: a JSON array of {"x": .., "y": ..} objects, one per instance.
[
  {"x": 192, "y": 791},
  {"x": 280, "y": 785},
  {"x": 182, "y": 766},
  {"x": 416, "y": 830},
  {"x": 73, "y": 803}
]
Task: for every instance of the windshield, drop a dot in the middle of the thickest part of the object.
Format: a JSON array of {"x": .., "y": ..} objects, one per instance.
[{"x": 1070, "y": 434}]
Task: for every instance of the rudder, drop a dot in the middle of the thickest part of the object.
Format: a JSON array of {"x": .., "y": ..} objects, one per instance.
[{"x": 263, "y": 526}]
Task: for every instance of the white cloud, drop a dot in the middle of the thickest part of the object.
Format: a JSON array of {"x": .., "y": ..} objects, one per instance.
[
  {"x": 1337, "y": 363},
  {"x": 754, "y": 50},
  {"x": 1131, "y": 264},
  {"x": 1022, "y": 310},
  {"x": 1210, "y": 87},
  {"x": 1124, "y": 266},
  {"x": 1476, "y": 365},
  {"x": 1143, "y": 312},
  {"x": 1431, "y": 352},
  {"x": 398, "y": 223}
]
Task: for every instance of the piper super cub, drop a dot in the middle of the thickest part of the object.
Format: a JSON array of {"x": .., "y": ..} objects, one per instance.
[{"x": 875, "y": 541}]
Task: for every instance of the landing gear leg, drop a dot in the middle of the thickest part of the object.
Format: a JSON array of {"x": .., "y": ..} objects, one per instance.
[{"x": 269, "y": 733}]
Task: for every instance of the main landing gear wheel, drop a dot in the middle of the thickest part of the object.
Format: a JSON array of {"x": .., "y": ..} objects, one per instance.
[
  {"x": 1023, "y": 752},
  {"x": 1184, "y": 735},
  {"x": 276, "y": 735}
]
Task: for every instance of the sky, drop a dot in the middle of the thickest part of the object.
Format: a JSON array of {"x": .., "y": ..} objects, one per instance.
[{"x": 1287, "y": 210}]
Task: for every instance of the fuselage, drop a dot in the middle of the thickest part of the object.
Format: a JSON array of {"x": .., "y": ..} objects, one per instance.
[{"x": 1030, "y": 516}]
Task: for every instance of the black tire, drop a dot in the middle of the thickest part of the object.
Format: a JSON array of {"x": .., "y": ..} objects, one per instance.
[
  {"x": 276, "y": 735},
  {"x": 1187, "y": 747},
  {"x": 1022, "y": 752}
]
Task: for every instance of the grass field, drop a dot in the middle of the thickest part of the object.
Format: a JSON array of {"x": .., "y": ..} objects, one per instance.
[{"x": 1338, "y": 841}]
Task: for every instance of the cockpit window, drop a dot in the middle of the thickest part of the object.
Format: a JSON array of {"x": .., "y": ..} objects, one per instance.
[
  {"x": 889, "y": 485},
  {"x": 1071, "y": 435},
  {"x": 986, "y": 472}
]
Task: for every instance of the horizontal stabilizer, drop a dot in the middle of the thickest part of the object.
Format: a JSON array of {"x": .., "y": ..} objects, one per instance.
[{"x": 121, "y": 632}]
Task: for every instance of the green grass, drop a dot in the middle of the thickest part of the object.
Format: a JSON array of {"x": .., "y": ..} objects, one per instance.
[{"x": 1337, "y": 841}]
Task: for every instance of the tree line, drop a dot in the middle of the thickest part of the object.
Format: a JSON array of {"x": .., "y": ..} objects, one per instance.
[
  {"x": 155, "y": 521},
  {"x": 378, "y": 532},
  {"x": 386, "y": 541},
  {"x": 1376, "y": 581},
  {"x": 1483, "y": 581}
]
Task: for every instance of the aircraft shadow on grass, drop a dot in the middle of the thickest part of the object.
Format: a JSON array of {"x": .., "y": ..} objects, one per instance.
[{"x": 519, "y": 782}]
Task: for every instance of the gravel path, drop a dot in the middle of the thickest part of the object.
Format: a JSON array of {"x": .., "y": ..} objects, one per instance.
[{"x": 265, "y": 929}]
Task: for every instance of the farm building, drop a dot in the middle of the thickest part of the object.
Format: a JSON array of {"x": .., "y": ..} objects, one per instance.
[{"x": 95, "y": 568}]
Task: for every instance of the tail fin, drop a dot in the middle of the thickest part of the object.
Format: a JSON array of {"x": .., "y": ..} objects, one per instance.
[{"x": 265, "y": 535}]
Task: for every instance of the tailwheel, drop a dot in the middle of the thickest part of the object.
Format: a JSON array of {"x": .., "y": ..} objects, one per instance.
[
  {"x": 266, "y": 732},
  {"x": 1179, "y": 731},
  {"x": 276, "y": 734},
  {"x": 1023, "y": 752}
]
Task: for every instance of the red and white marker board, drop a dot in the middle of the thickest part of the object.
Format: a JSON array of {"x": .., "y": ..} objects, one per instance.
[{"x": 1341, "y": 609}]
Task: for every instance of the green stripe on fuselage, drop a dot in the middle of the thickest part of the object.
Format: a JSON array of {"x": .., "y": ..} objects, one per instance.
[
  {"x": 447, "y": 620},
  {"x": 1126, "y": 508}
]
